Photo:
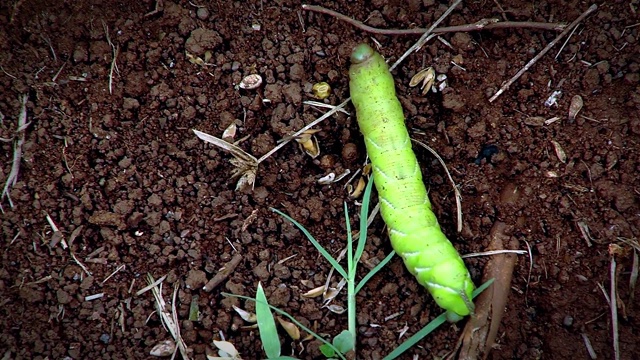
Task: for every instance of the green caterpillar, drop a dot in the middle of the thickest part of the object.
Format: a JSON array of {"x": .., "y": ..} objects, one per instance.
[{"x": 404, "y": 202}]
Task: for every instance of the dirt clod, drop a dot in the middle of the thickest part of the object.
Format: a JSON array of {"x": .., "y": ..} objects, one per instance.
[{"x": 202, "y": 40}]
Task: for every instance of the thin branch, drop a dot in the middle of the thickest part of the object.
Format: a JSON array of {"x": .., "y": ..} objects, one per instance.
[
  {"x": 504, "y": 87},
  {"x": 484, "y": 24}
]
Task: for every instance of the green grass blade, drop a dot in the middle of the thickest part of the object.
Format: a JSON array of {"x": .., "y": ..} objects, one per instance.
[
  {"x": 351, "y": 265},
  {"x": 267, "y": 325},
  {"x": 434, "y": 324},
  {"x": 292, "y": 319},
  {"x": 364, "y": 214},
  {"x": 374, "y": 271},
  {"x": 315, "y": 243},
  {"x": 194, "y": 311}
]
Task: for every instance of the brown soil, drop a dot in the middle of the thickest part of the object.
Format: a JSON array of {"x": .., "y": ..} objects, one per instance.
[{"x": 144, "y": 192}]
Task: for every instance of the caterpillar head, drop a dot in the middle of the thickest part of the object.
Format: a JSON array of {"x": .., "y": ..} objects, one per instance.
[{"x": 361, "y": 53}]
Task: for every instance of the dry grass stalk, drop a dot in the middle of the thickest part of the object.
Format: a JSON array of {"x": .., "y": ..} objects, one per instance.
[
  {"x": 504, "y": 87},
  {"x": 493, "y": 252},
  {"x": 168, "y": 318},
  {"x": 115, "y": 50},
  {"x": 17, "y": 152},
  {"x": 457, "y": 193},
  {"x": 246, "y": 165}
]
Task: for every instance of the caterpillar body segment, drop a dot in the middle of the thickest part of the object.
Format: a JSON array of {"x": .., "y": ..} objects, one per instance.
[{"x": 404, "y": 203}]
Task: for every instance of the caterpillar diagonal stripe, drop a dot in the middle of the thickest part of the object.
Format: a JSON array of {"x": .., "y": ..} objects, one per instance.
[{"x": 404, "y": 202}]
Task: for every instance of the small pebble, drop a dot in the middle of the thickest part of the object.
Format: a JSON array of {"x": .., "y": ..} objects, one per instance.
[
  {"x": 349, "y": 153},
  {"x": 202, "y": 13},
  {"x": 568, "y": 321},
  {"x": 105, "y": 338}
]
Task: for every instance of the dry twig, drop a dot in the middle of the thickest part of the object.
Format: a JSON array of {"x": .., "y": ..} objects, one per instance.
[
  {"x": 504, "y": 87},
  {"x": 223, "y": 273},
  {"x": 484, "y": 24}
]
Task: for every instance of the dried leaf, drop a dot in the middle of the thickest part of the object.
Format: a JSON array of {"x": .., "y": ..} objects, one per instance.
[
  {"x": 336, "y": 309},
  {"x": 245, "y": 315},
  {"x": 355, "y": 193},
  {"x": 309, "y": 143},
  {"x": 366, "y": 170},
  {"x": 195, "y": 59},
  {"x": 534, "y": 121},
  {"x": 226, "y": 350},
  {"x": 230, "y": 133},
  {"x": 479, "y": 335},
  {"x": 246, "y": 165},
  {"x": 575, "y": 107},
  {"x": 424, "y": 76},
  {"x": 313, "y": 293},
  {"x": 290, "y": 328},
  {"x": 165, "y": 348},
  {"x": 562, "y": 156},
  {"x": 331, "y": 293},
  {"x": 233, "y": 149}
]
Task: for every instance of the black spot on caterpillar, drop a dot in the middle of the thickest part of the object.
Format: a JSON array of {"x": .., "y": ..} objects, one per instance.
[{"x": 404, "y": 202}]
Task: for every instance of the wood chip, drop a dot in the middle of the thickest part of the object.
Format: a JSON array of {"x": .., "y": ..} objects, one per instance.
[{"x": 223, "y": 274}]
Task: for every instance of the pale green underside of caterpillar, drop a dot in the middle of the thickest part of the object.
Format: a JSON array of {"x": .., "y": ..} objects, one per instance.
[{"x": 404, "y": 202}]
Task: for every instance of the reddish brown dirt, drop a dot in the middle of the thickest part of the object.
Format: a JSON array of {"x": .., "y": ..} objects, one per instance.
[{"x": 146, "y": 193}]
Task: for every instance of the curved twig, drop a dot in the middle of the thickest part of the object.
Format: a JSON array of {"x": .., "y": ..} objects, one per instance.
[{"x": 484, "y": 24}]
